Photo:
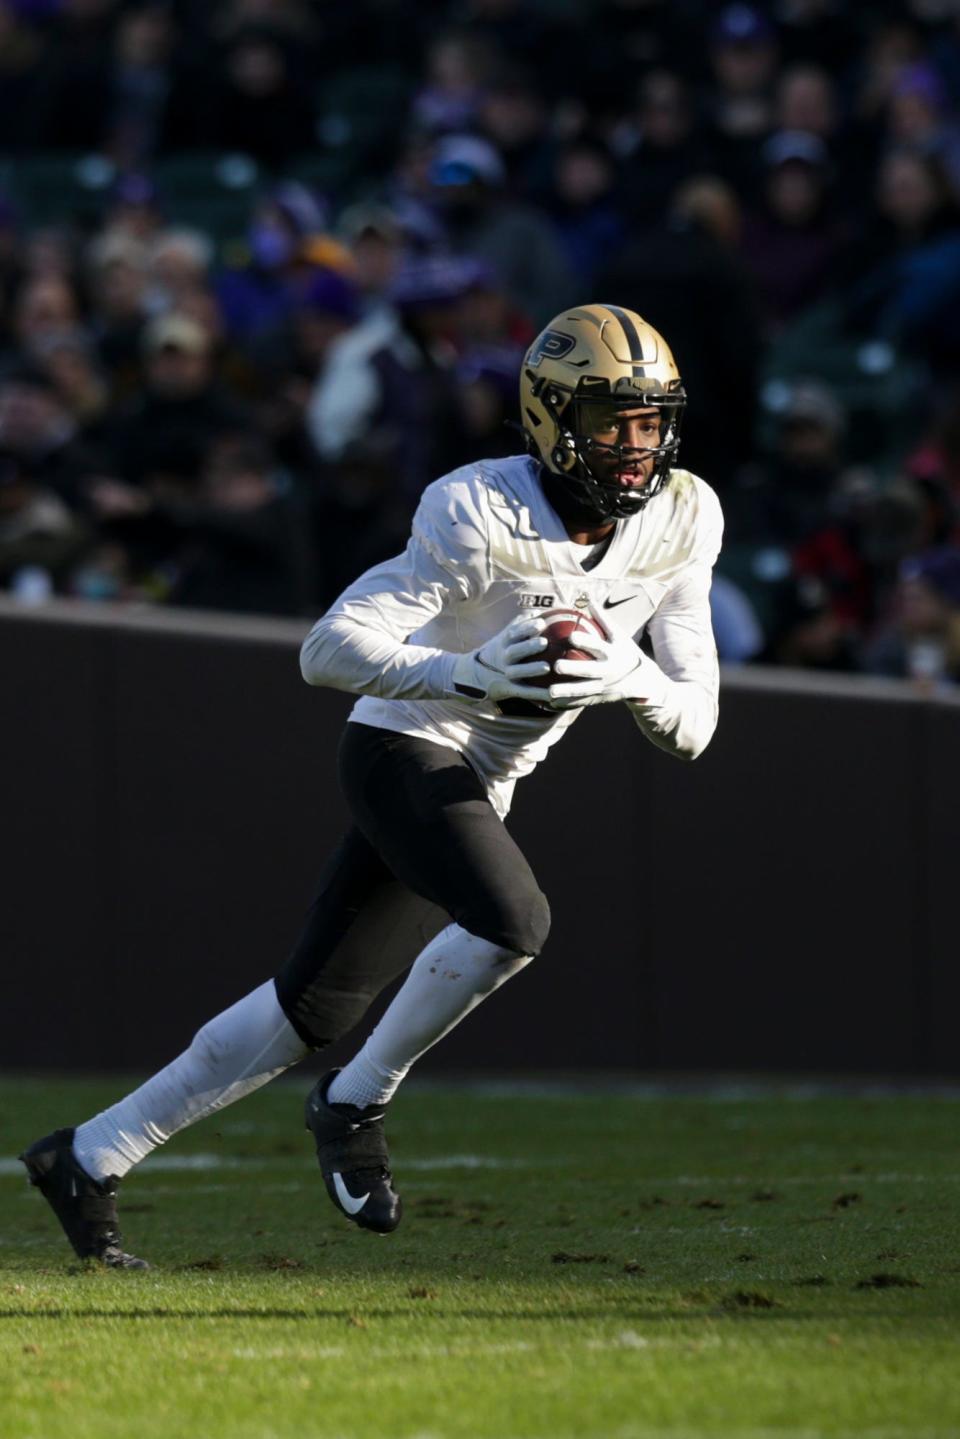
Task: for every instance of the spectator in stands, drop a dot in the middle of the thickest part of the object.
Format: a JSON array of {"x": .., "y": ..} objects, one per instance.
[
  {"x": 792, "y": 241},
  {"x": 787, "y": 498},
  {"x": 177, "y": 263},
  {"x": 743, "y": 57},
  {"x": 485, "y": 381},
  {"x": 168, "y": 430},
  {"x": 468, "y": 175},
  {"x": 39, "y": 537},
  {"x": 486, "y": 316},
  {"x": 117, "y": 291},
  {"x": 807, "y": 101},
  {"x": 238, "y": 540},
  {"x": 938, "y": 454},
  {"x": 140, "y": 83},
  {"x": 736, "y": 627},
  {"x": 134, "y": 208},
  {"x": 258, "y": 295},
  {"x": 245, "y": 542},
  {"x": 596, "y": 65},
  {"x": 375, "y": 240},
  {"x": 260, "y": 107},
  {"x": 660, "y": 147},
  {"x": 361, "y": 517},
  {"x": 904, "y": 273},
  {"x": 70, "y": 362},
  {"x": 37, "y": 427},
  {"x": 292, "y": 358},
  {"x": 457, "y": 71},
  {"x": 791, "y": 533},
  {"x": 582, "y": 205},
  {"x": 919, "y": 119},
  {"x": 515, "y": 119},
  {"x": 911, "y": 206},
  {"x": 52, "y": 252},
  {"x": 394, "y": 371},
  {"x": 921, "y": 639},
  {"x": 43, "y": 308}
]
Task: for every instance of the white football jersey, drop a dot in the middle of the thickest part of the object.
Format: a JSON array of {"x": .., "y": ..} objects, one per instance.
[{"x": 486, "y": 546}]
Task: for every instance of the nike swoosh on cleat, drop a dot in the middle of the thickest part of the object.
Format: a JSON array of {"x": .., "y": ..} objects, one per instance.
[
  {"x": 610, "y": 604},
  {"x": 347, "y": 1201}
]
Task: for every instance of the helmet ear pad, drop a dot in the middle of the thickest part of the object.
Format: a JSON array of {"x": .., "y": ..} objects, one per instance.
[{"x": 564, "y": 456}]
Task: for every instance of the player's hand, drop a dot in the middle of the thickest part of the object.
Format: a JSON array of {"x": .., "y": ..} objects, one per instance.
[
  {"x": 499, "y": 669},
  {"x": 616, "y": 672}
]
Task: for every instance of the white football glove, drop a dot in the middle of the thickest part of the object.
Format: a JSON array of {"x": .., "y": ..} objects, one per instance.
[
  {"x": 619, "y": 670},
  {"x": 497, "y": 670}
]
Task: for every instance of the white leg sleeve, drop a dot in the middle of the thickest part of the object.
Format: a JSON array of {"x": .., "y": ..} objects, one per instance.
[
  {"x": 233, "y": 1054},
  {"x": 449, "y": 978}
]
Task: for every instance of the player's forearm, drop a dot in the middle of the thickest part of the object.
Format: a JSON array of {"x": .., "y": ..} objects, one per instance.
[
  {"x": 681, "y": 719},
  {"x": 341, "y": 654}
]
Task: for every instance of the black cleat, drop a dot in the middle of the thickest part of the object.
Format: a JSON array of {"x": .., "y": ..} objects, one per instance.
[
  {"x": 86, "y": 1209},
  {"x": 352, "y": 1150}
]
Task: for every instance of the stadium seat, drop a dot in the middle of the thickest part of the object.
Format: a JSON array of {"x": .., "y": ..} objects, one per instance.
[
  {"x": 211, "y": 190},
  {"x": 362, "y": 111},
  {"x": 878, "y": 386},
  {"x": 58, "y": 188}
]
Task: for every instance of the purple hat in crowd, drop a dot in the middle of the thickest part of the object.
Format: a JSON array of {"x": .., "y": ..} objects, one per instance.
[
  {"x": 921, "y": 82},
  {"x": 939, "y": 569},
  {"x": 741, "y": 25},
  {"x": 328, "y": 292}
]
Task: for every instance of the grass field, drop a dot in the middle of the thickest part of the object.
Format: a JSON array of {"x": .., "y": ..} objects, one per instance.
[{"x": 572, "y": 1263}]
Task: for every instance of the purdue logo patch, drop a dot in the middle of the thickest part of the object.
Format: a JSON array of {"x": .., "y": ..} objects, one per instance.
[{"x": 552, "y": 345}]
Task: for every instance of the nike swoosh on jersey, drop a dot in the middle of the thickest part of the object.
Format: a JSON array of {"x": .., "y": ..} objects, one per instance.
[
  {"x": 346, "y": 1199},
  {"x": 610, "y": 604}
]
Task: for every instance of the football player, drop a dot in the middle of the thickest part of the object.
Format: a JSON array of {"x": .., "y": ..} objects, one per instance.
[{"x": 444, "y": 646}]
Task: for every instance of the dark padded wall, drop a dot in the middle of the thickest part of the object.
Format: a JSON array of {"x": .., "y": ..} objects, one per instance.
[{"x": 783, "y": 904}]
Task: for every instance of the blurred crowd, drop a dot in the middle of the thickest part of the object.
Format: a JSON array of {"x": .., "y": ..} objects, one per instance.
[{"x": 267, "y": 267}]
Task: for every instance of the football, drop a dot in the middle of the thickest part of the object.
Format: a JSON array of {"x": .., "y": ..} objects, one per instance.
[{"x": 560, "y": 634}]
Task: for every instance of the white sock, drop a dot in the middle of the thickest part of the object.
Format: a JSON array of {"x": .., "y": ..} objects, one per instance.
[
  {"x": 232, "y": 1055},
  {"x": 448, "y": 979}
]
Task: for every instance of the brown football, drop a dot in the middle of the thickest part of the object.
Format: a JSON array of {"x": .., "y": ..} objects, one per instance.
[{"x": 560, "y": 634}]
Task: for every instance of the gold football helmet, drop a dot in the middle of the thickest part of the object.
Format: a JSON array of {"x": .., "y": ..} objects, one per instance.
[{"x": 591, "y": 354}]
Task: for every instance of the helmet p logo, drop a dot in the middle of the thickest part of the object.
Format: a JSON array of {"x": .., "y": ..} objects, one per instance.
[{"x": 551, "y": 345}]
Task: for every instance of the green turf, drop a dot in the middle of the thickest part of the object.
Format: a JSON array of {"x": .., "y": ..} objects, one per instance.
[{"x": 595, "y": 1265}]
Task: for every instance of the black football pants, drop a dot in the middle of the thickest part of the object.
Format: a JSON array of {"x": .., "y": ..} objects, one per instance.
[{"x": 427, "y": 847}]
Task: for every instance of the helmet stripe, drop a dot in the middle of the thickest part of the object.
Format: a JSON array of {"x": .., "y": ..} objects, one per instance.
[{"x": 630, "y": 331}]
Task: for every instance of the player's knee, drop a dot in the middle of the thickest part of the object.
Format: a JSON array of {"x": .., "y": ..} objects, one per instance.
[
  {"x": 517, "y": 922},
  {"x": 537, "y": 924},
  {"x": 321, "y": 1013}
]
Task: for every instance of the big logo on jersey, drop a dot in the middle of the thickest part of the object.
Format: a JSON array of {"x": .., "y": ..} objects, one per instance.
[{"x": 552, "y": 345}]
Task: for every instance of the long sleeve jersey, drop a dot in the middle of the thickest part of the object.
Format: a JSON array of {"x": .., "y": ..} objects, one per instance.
[{"x": 485, "y": 546}]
